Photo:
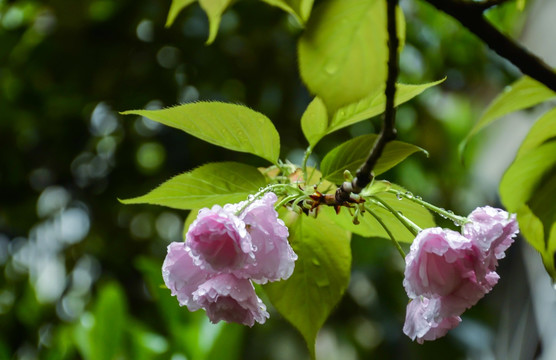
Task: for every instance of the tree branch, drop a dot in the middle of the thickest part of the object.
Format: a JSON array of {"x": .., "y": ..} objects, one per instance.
[
  {"x": 364, "y": 175},
  {"x": 471, "y": 16}
]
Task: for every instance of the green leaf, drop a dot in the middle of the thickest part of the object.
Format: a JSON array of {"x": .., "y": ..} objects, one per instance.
[
  {"x": 524, "y": 174},
  {"x": 522, "y": 94},
  {"x": 320, "y": 277},
  {"x": 210, "y": 184},
  {"x": 353, "y": 153},
  {"x": 343, "y": 52},
  {"x": 314, "y": 121},
  {"x": 300, "y": 9},
  {"x": 375, "y": 105},
  {"x": 528, "y": 188},
  {"x": 231, "y": 126},
  {"x": 370, "y": 227},
  {"x": 176, "y": 7},
  {"x": 544, "y": 129},
  {"x": 106, "y": 335},
  {"x": 214, "y": 10}
]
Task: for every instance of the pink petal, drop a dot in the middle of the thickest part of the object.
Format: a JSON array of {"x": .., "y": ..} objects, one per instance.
[
  {"x": 181, "y": 275},
  {"x": 225, "y": 297},
  {"x": 274, "y": 257},
  {"x": 492, "y": 231},
  {"x": 424, "y": 320},
  {"x": 218, "y": 240}
]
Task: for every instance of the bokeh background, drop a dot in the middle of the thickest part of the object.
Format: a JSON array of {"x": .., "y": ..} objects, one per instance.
[{"x": 80, "y": 272}]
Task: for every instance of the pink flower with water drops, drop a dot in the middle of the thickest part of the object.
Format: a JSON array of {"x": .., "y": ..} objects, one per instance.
[
  {"x": 218, "y": 240},
  {"x": 447, "y": 273},
  {"x": 223, "y": 296},
  {"x": 225, "y": 249},
  {"x": 274, "y": 257}
]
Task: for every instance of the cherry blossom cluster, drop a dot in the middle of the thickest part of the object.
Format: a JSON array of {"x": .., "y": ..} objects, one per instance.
[
  {"x": 448, "y": 272},
  {"x": 224, "y": 250}
]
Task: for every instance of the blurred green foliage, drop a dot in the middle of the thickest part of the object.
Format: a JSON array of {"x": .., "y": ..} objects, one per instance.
[{"x": 81, "y": 273}]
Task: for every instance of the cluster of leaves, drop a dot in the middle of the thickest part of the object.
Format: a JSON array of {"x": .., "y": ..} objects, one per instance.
[
  {"x": 344, "y": 65},
  {"x": 528, "y": 187}
]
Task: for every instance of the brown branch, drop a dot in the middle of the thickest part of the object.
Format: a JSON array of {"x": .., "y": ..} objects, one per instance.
[
  {"x": 364, "y": 175},
  {"x": 471, "y": 17}
]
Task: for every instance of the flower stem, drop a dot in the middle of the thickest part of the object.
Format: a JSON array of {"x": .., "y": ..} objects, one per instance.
[
  {"x": 394, "y": 241},
  {"x": 410, "y": 225},
  {"x": 266, "y": 189},
  {"x": 284, "y": 201},
  {"x": 304, "y": 164},
  {"x": 459, "y": 220}
]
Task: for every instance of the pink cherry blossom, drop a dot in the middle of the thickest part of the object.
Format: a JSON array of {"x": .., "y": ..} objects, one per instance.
[
  {"x": 492, "y": 231},
  {"x": 424, "y": 321},
  {"x": 218, "y": 240},
  {"x": 442, "y": 262},
  {"x": 225, "y": 249},
  {"x": 225, "y": 297},
  {"x": 447, "y": 273},
  {"x": 274, "y": 257}
]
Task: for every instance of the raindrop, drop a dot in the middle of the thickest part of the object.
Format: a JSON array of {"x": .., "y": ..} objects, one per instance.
[
  {"x": 450, "y": 212},
  {"x": 408, "y": 194},
  {"x": 331, "y": 68},
  {"x": 398, "y": 196},
  {"x": 418, "y": 198},
  {"x": 323, "y": 282}
]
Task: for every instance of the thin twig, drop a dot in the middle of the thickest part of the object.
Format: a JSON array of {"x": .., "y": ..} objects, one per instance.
[
  {"x": 388, "y": 133},
  {"x": 471, "y": 16}
]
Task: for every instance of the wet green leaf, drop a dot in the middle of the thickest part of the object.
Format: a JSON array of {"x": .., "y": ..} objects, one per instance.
[
  {"x": 353, "y": 153},
  {"x": 343, "y": 51},
  {"x": 522, "y": 94},
  {"x": 210, "y": 184},
  {"x": 315, "y": 122},
  {"x": 321, "y": 273},
  {"x": 231, "y": 126}
]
